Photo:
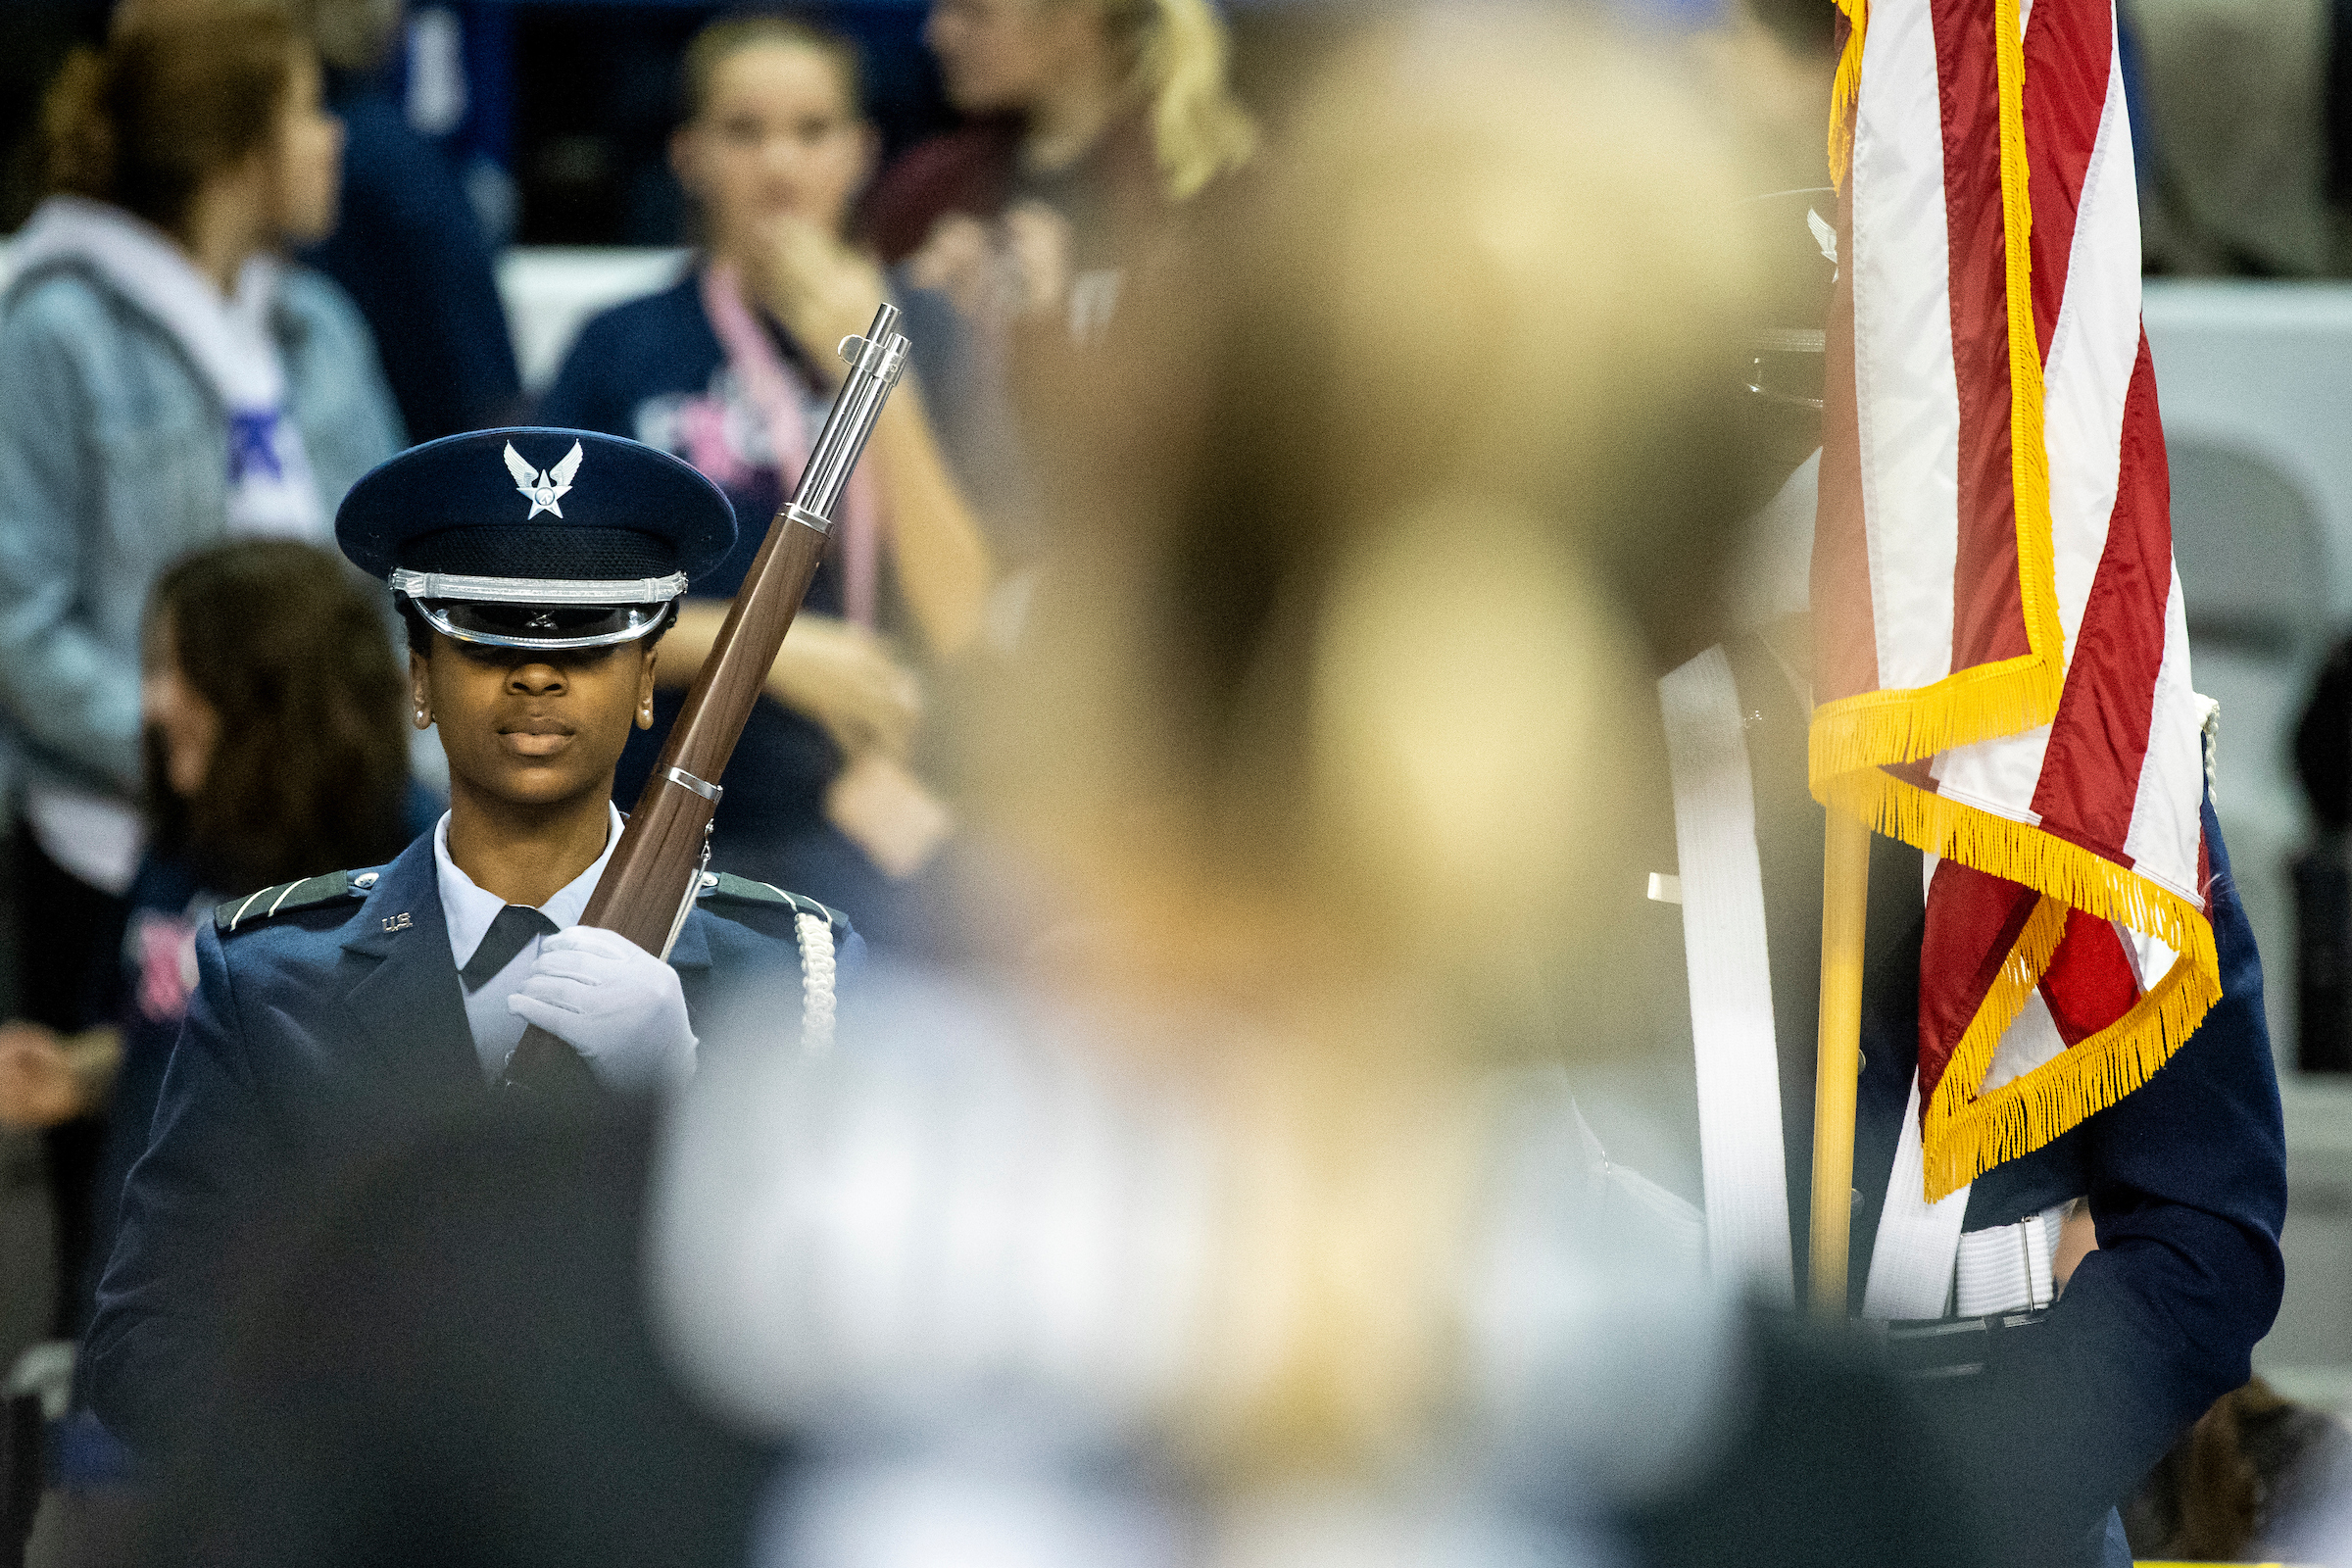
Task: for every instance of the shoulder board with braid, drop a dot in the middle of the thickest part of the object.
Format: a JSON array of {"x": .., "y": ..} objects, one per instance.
[
  {"x": 719, "y": 886},
  {"x": 817, "y": 929},
  {"x": 287, "y": 896}
]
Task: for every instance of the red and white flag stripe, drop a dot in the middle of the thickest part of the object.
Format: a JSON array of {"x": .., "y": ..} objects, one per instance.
[{"x": 2001, "y": 659}]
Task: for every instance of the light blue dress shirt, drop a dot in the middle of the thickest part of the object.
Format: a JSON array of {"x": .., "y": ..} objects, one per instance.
[{"x": 468, "y": 911}]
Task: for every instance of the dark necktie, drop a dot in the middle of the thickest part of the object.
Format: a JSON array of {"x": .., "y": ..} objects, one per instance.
[{"x": 508, "y": 934}]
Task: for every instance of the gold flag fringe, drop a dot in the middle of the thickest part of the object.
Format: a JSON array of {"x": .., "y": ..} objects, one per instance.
[
  {"x": 1980, "y": 704},
  {"x": 2017, "y": 851},
  {"x": 2028, "y": 961},
  {"x": 1846, "y": 93},
  {"x": 1964, "y": 1134},
  {"x": 1965, "y": 1139}
]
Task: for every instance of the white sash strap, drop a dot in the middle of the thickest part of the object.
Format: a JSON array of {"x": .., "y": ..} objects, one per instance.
[
  {"x": 1911, "y": 1261},
  {"x": 1923, "y": 1264},
  {"x": 1730, "y": 978}
]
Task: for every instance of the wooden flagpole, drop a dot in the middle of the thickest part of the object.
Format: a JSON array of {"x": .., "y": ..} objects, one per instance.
[{"x": 1845, "y": 902}]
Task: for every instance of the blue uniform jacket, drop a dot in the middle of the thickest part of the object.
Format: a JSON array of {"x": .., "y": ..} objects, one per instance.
[{"x": 313, "y": 1036}]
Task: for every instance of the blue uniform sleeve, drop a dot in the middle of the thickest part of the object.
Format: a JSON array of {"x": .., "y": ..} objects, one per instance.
[
  {"x": 2188, "y": 1192},
  {"x": 195, "y": 1207}
]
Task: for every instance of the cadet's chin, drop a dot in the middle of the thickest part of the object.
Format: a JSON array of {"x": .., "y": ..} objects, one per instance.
[{"x": 521, "y": 779}]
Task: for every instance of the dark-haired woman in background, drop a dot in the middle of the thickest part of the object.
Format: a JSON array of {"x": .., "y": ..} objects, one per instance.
[
  {"x": 732, "y": 368},
  {"x": 275, "y": 749},
  {"x": 165, "y": 382}
]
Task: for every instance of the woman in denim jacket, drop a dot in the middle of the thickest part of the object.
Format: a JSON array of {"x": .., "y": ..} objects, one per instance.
[{"x": 165, "y": 382}]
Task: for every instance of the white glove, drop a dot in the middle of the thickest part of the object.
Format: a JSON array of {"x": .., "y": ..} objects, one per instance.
[{"x": 613, "y": 1002}]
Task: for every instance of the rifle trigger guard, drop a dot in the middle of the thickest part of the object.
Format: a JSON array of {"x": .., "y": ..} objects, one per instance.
[{"x": 679, "y": 777}]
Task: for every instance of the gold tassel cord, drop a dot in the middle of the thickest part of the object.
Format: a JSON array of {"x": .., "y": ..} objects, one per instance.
[{"x": 2028, "y": 456}]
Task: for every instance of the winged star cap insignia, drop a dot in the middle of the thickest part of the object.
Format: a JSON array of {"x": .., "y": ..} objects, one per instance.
[{"x": 543, "y": 489}]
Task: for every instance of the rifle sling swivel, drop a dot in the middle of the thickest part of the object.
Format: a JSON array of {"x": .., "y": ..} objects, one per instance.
[{"x": 679, "y": 777}]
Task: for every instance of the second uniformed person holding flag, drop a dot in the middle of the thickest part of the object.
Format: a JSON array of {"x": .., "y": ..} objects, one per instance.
[{"x": 535, "y": 570}]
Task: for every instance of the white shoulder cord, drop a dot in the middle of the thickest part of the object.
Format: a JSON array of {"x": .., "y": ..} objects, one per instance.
[{"x": 816, "y": 984}]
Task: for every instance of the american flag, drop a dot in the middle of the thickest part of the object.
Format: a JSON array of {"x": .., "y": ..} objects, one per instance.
[{"x": 2001, "y": 656}]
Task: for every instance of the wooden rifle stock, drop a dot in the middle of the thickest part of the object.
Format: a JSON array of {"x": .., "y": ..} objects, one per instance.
[{"x": 650, "y": 882}]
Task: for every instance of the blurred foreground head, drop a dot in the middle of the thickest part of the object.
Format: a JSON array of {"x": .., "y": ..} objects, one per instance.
[
  {"x": 1331, "y": 718},
  {"x": 1377, "y": 529}
]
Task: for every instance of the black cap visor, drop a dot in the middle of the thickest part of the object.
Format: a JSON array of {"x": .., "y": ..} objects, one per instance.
[
  {"x": 540, "y": 612},
  {"x": 553, "y": 627}
]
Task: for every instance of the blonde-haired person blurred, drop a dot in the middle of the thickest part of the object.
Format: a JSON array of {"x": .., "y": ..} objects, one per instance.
[
  {"x": 1264, "y": 1173},
  {"x": 1091, "y": 122}
]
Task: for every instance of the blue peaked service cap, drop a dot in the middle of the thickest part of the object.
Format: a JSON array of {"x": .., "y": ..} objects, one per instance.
[{"x": 536, "y": 537}]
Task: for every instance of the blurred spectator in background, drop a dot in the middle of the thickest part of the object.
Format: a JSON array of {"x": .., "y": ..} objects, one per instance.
[
  {"x": 2258, "y": 1478},
  {"x": 2235, "y": 95},
  {"x": 732, "y": 368},
  {"x": 164, "y": 381},
  {"x": 1092, "y": 120},
  {"x": 41, "y": 34},
  {"x": 2322, "y": 873},
  {"x": 409, "y": 248},
  {"x": 406, "y": 243},
  {"x": 275, "y": 749}
]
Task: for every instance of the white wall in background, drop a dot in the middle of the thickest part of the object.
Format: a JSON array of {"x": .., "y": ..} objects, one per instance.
[{"x": 550, "y": 290}]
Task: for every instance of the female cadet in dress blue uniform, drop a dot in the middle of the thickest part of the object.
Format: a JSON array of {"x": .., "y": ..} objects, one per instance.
[{"x": 536, "y": 570}]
